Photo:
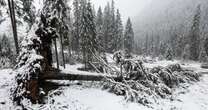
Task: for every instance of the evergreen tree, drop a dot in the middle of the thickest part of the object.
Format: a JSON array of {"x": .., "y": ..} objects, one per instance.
[
  {"x": 28, "y": 70},
  {"x": 26, "y": 10},
  {"x": 206, "y": 46},
  {"x": 99, "y": 29},
  {"x": 88, "y": 34},
  {"x": 195, "y": 35},
  {"x": 5, "y": 46},
  {"x": 63, "y": 26},
  {"x": 106, "y": 26},
  {"x": 152, "y": 46},
  {"x": 203, "y": 56},
  {"x": 162, "y": 48},
  {"x": 118, "y": 32},
  {"x": 173, "y": 41},
  {"x": 169, "y": 53},
  {"x": 76, "y": 25},
  {"x": 146, "y": 45},
  {"x": 109, "y": 27},
  {"x": 94, "y": 13},
  {"x": 68, "y": 35},
  {"x": 137, "y": 48},
  {"x": 2, "y": 4},
  {"x": 50, "y": 26},
  {"x": 186, "y": 52},
  {"x": 112, "y": 32},
  {"x": 157, "y": 45},
  {"x": 59, "y": 9},
  {"x": 180, "y": 46},
  {"x": 128, "y": 37}
]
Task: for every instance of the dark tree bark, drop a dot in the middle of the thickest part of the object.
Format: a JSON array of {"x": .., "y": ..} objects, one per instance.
[
  {"x": 62, "y": 50},
  {"x": 67, "y": 76},
  {"x": 13, "y": 21}
]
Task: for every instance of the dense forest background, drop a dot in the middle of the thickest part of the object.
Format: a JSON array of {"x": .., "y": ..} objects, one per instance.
[{"x": 171, "y": 23}]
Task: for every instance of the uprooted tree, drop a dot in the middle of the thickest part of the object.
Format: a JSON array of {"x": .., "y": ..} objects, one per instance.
[{"x": 35, "y": 58}]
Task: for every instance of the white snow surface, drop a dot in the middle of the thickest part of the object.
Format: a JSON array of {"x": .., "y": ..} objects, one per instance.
[
  {"x": 82, "y": 97},
  {"x": 191, "y": 65},
  {"x": 73, "y": 69},
  {"x": 193, "y": 98},
  {"x": 5, "y": 85}
]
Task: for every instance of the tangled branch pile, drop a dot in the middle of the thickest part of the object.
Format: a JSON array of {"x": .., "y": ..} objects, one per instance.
[{"x": 145, "y": 86}]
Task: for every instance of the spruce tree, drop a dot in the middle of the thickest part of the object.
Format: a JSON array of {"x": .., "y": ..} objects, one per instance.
[
  {"x": 179, "y": 46},
  {"x": 88, "y": 34},
  {"x": 99, "y": 29},
  {"x": 2, "y": 4},
  {"x": 59, "y": 9},
  {"x": 94, "y": 12},
  {"x": 195, "y": 35},
  {"x": 157, "y": 45},
  {"x": 28, "y": 70},
  {"x": 203, "y": 56},
  {"x": 173, "y": 40},
  {"x": 186, "y": 52},
  {"x": 169, "y": 53},
  {"x": 106, "y": 27},
  {"x": 206, "y": 46},
  {"x": 63, "y": 26},
  {"x": 26, "y": 10},
  {"x": 6, "y": 46},
  {"x": 152, "y": 46},
  {"x": 68, "y": 34},
  {"x": 146, "y": 45},
  {"x": 112, "y": 32},
  {"x": 128, "y": 37},
  {"x": 118, "y": 32},
  {"x": 76, "y": 25}
]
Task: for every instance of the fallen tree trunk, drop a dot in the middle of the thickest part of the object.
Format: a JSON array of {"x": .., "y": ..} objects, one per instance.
[{"x": 68, "y": 76}]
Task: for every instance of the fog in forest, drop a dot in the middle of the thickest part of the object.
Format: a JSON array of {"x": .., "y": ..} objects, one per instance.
[{"x": 103, "y": 54}]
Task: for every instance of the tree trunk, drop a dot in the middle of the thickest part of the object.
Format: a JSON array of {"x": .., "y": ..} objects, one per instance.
[
  {"x": 13, "y": 21},
  {"x": 62, "y": 50},
  {"x": 67, "y": 76},
  {"x": 70, "y": 47},
  {"x": 56, "y": 52}
]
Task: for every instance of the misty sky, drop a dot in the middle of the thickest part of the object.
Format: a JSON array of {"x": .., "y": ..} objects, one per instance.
[{"x": 128, "y": 8}]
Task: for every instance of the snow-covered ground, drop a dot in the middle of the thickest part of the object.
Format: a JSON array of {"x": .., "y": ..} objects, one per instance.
[
  {"x": 5, "y": 85},
  {"x": 73, "y": 69},
  {"x": 193, "y": 98},
  {"x": 83, "y": 97},
  {"x": 191, "y": 65}
]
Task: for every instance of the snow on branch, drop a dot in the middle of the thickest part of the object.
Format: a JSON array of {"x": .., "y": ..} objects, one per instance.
[
  {"x": 28, "y": 68},
  {"x": 145, "y": 86}
]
